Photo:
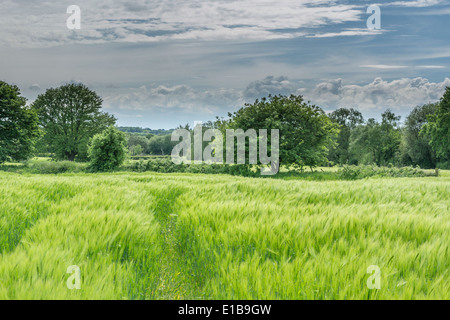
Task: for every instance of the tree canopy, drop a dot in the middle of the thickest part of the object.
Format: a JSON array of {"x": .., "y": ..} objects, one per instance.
[
  {"x": 347, "y": 119},
  {"x": 437, "y": 128},
  {"x": 161, "y": 145},
  {"x": 305, "y": 130},
  {"x": 70, "y": 115},
  {"x": 416, "y": 148},
  {"x": 18, "y": 125},
  {"x": 376, "y": 142}
]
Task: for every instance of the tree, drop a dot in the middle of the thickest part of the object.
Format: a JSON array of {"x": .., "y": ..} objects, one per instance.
[
  {"x": 416, "y": 148},
  {"x": 70, "y": 115},
  {"x": 390, "y": 138},
  {"x": 137, "y": 140},
  {"x": 347, "y": 119},
  {"x": 136, "y": 150},
  {"x": 161, "y": 145},
  {"x": 437, "y": 128},
  {"x": 305, "y": 130},
  {"x": 376, "y": 142},
  {"x": 365, "y": 144},
  {"x": 18, "y": 125},
  {"x": 107, "y": 150}
]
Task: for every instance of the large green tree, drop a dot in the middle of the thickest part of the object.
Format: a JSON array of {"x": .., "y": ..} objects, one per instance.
[
  {"x": 305, "y": 130},
  {"x": 347, "y": 119},
  {"x": 438, "y": 127},
  {"x": 18, "y": 125},
  {"x": 416, "y": 148},
  {"x": 70, "y": 115}
]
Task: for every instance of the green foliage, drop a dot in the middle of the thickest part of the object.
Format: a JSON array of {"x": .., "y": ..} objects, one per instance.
[
  {"x": 70, "y": 115},
  {"x": 55, "y": 167},
  {"x": 161, "y": 145},
  {"x": 376, "y": 142},
  {"x": 149, "y": 144},
  {"x": 18, "y": 125},
  {"x": 443, "y": 165},
  {"x": 135, "y": 140},
  {"x": 144, "y": 132},
  {"x": 416, "y": 148},
  {"x": 347, "y": 119},
  {"x": 165, "y": 165},
  {"x": 147, "y": 157},
  {"x": 366, "y": 171},
  {"x": 136, "y": 150},
  {"x": 438, "y": 128},
  {"x": 305, "y": 130},
  {"x": 107, "y": 150}
]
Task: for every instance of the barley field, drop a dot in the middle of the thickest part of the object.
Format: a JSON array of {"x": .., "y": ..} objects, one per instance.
[{"x": 193, "y": 236}]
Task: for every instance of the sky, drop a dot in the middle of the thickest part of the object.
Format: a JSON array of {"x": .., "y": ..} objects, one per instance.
[{"x": 159, "y": 64}]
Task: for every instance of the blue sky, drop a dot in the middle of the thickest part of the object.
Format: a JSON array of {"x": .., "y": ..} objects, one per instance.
[{"x": 159, "y": 64}]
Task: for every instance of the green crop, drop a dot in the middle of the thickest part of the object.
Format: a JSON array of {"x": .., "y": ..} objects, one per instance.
[{"x": 193, "y": 236}]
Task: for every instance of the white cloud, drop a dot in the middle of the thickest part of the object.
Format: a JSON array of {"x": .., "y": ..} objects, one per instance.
[
  {"x": 172, "y": 98},
  {"x": 401, "y": 94},
  {"x": 379, "y": 94},
  {"x": 29, "y": 24},
  {"x": 416, "y": 3},
  {"x": 431, "y": 67},
  {"x": 389, "y": 67},
  {"x": 348, "y": 33},
  {"x": 269, "y": 85},
  {"x": 382, "y": 66}
]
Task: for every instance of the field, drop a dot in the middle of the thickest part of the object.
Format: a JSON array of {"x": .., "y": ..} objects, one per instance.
[{"x": 193, "y": 236}]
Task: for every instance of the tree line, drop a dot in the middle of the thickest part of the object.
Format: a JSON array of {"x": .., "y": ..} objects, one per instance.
[
  {"x": 64, "y": 121},
  {"x": 423, "y": 139}
]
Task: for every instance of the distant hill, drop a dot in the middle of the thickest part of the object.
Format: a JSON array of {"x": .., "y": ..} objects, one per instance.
[{"x": 145, "y": 131}]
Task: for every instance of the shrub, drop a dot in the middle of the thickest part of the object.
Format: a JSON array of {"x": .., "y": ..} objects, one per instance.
[
  {"x": 107, "y": 150},
  {"x": 52, "y": 167},
  {"x": 362, "y": 172},
  {"x": 165, "y": 165}
]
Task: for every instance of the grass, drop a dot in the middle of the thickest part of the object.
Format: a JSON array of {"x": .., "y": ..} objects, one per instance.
[
  {"x": 163, "y": 164},
  {"x": 193, "y": 236}
]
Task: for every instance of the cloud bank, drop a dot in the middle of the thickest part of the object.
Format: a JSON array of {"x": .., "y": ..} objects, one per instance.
[
  {"x": 402, "y": 94},
  {"x": 43, "y": 24},
  {"x": 379, "y": 94}
]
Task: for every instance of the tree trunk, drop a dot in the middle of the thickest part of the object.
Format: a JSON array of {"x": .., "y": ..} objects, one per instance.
[{"x": 71, "y": 156}]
